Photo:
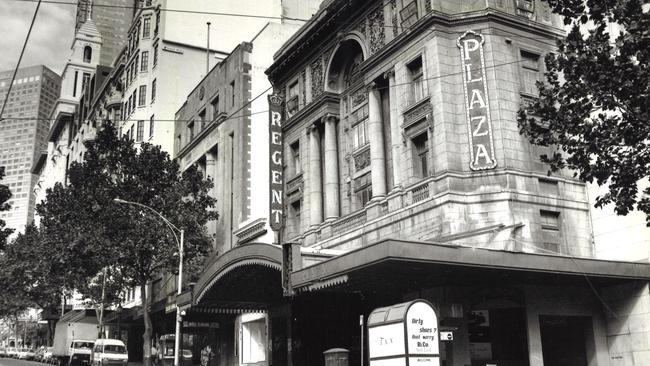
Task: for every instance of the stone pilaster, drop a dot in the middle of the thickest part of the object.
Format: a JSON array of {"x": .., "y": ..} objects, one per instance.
[
  {"x": 395, "y": 135},
  {"x": 315, "y": 179},
  {"x": 376, "y": 137},
  {"x": 331, "y": 169}
]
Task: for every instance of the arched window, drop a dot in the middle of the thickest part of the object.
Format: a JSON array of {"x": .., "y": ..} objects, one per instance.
[
  {"x": 88, "y": 54},
  {"x": 343, "y": 69}
]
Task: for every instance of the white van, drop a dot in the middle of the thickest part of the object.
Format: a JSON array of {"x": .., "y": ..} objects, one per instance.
[{"x": 109, "y": 352}]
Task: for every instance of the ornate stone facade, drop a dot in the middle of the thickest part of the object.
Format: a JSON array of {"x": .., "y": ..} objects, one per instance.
[{"x": 376, "y": 30}]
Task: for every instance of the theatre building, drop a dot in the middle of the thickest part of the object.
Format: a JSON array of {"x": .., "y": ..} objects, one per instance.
[{"x": 406, "y": 178}]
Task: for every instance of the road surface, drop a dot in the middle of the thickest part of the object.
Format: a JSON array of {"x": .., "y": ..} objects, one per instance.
[{"x": 12, "y": 362}]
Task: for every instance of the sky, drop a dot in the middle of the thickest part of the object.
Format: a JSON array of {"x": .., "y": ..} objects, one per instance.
[{"x": 51, "y": 38}]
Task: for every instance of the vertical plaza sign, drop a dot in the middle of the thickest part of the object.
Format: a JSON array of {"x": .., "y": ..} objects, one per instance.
[
  {"x": 275, "y": 164},
  {"x": 481, "y": 143}
]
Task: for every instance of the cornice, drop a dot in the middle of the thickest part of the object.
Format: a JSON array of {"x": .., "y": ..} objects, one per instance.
[
  {"x": 302, "y": 43},
  {"x": 312, "y": 110}
]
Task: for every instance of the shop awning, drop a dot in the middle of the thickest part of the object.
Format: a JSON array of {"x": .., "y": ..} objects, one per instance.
[{"x": 396, "y": 265}]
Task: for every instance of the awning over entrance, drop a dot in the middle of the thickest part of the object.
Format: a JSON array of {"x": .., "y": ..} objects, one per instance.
[
  {"x": 395, "y": 265},
  {"x": 245, "y": 278}
]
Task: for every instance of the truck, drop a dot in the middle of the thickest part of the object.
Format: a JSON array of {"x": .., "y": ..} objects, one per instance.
[{"x": 74, "y": 336}]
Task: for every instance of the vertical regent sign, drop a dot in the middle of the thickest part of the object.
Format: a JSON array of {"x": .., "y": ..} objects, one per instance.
[
  {"x": 479, "y": 124},
  {"x": 275, "y": 164}
]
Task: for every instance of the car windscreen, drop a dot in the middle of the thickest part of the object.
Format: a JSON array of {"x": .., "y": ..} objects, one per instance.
[
  {"x": 114, "y": 348},
  {"x": 82, "y": 345}
]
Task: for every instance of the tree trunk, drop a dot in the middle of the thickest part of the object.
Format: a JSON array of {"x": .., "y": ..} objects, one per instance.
[
  {"x": 101, "y": 310},
  {"x": 146, "y": 337}
]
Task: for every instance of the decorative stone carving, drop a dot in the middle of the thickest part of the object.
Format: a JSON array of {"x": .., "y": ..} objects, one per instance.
[
  {"x": 393, "y": 18},
  {"x": 376, "y": 30},
  {"x": 362, "y": 160},
  {"x": 358, "y": 97},
  {"x": 303, "y": 86},
  {"x": 427, "y": 6},
  {"x": 317, "y": 77},
  {"x": 423, "y": 110}
]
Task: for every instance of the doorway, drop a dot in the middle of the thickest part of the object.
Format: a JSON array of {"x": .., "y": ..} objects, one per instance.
[{"x": 565, "y": 339}]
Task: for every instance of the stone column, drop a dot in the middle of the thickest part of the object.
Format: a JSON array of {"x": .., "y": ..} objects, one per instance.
[
  {"x": 395, "y": 135},
  {"x": 376, "y": 137},
  {"x": 331, "y": 169},
  {"x": 315, "y": 179}
]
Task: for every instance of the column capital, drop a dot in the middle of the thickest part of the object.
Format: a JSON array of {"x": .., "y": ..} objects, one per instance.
[
  {"x": 389, "y": 74},
  {"x": 309, "y": 129},
  {"x": 329, "y": 117},
  {"x": 372, "y": 86}
]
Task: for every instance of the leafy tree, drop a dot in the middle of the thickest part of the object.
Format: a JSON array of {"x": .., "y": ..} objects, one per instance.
[
  {"x": 28, "y": 275},
  {"x": 5, "y": 195},
  {"x": 595, "y": 105},
  {"x": 97, "y": 232}
]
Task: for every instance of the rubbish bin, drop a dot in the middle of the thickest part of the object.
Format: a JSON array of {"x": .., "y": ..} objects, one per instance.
[{"x": 336, "y": 357}]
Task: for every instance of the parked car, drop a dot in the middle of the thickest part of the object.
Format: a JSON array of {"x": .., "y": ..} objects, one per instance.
[
  {"x": 12, "y": 352},
  {"x": 25, "y": 354},
  {"x": 38, "y": 354},
  {"x": 109, "y": 352},
  {"x": 3, "y": 352},
  {"x": 47, "y": 355}
]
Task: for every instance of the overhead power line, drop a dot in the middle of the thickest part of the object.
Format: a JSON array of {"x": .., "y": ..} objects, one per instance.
[
  {"x": 20, "y": 58},
  {"x": 242, "y": 15}
]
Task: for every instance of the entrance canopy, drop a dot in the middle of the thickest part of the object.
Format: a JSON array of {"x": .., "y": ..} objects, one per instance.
[
  {"x": 403, "y": 266},
  {"x": 245, "y": 278}
]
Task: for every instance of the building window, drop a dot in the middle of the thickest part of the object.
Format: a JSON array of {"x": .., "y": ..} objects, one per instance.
[
  {"x": 85, "y": 80},
  {"x": 74, "y": 87},
  {"x": 360, "y": 134},
  {"x": 254, "y": 341},
  {"x": 232, "y": 90},
  {"x": 155, "y": 29},
  {"x": 420, "y": 153},
  {"x": 132, "y": 132},
  {"x": 140, "y": 133},
  {"x": 529, "y": 72},
  {"x": 363, "y": 189},
  {"x": 215, "y": 107},
  {"x": 135, "y": 65},
  {"x": 293, "y": 98},
  {"x": 155, "y": 55},
  {"x": 190, "y": 131},
  {"x": 295, "y": 165},
  {"x": 153, "y": 90},
  {"x": 418, "y": 88},
  {"x": 143, "y": 96},
  {"x": 88, "y": 54},
  {"x": 144, "y": 62},
  {"x": 293, "y": 223},
  {"x": 526, "y": 8},
  {"x": 409, "y": 13},
  {"x": 146, "y": 27},
  {"x": 202, "y": 119},
  {"x": 550, "y": 223},
  {"x": 151, "y": 125}
]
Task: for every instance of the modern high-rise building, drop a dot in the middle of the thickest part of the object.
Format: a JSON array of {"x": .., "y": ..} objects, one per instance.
[
  {"x": 23, "y": 135},
  {"x": 113, "y": 19}
]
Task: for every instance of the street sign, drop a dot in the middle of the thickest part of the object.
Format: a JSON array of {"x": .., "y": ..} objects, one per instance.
[{"x": 446, "y": 336}]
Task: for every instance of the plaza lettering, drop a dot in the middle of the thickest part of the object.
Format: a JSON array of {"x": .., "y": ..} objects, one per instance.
[{"x": 476, "y": 101}]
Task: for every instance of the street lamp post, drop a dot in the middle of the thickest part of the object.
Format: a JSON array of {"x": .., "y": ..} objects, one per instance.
[{"x": 177, "y": 338}]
